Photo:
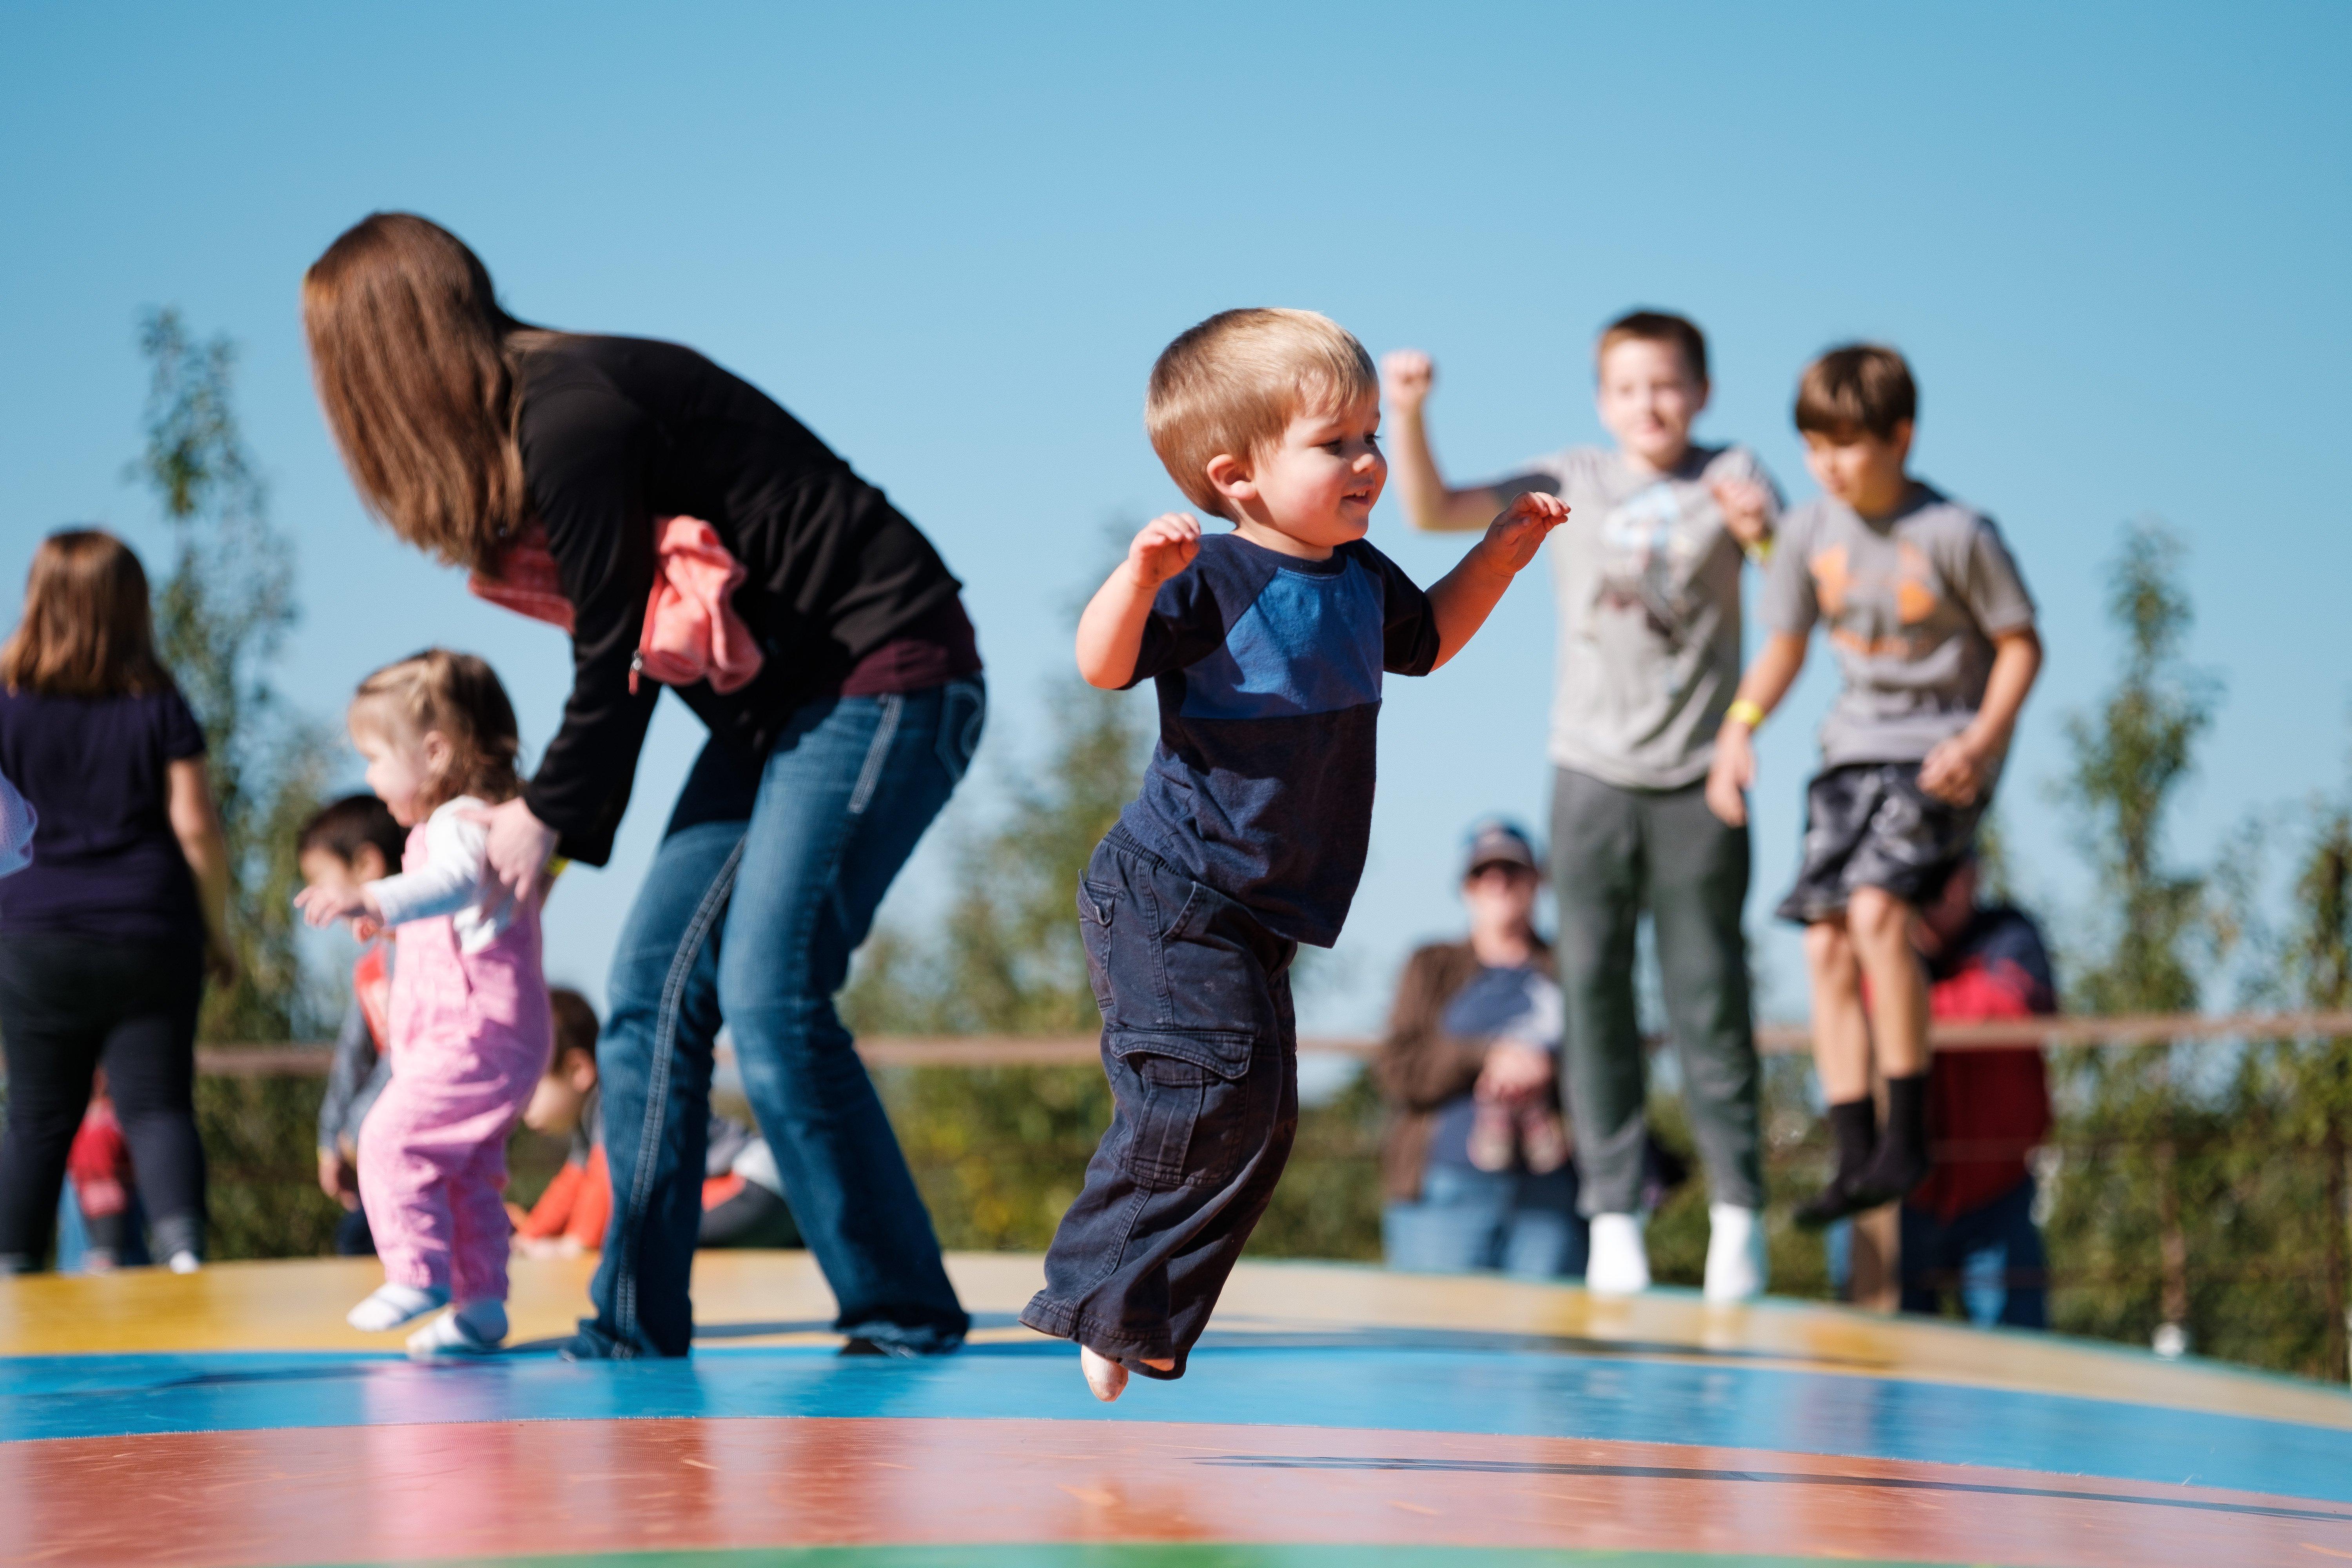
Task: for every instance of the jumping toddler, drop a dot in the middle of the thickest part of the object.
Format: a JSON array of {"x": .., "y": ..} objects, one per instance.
[
  {"x": 1267, "y": 646},
  {"x": 470, "y": 1028}
]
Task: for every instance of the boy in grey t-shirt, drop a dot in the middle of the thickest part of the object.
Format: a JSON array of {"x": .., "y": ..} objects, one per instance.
[
  {"x": 1647, "y": 568},
  {"x": 1934, "y": 631}
]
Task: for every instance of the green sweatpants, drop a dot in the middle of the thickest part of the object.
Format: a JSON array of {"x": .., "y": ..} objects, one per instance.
[{"x": 1615, "y": 852}]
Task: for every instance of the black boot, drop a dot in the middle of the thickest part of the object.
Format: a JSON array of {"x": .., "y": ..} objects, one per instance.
[
  {"x": 1901, "y": 1163},
  {"x": 1853, "y": 1130}
]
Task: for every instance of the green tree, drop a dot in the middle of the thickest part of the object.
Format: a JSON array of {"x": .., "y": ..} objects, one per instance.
[
  {"x": 2127, "y": 1199},
  {"x": 222, "y": 616}
]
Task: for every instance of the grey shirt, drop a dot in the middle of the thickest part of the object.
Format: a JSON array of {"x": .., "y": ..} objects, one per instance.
[
  {"x": 1912, "y": 603},
  {"x": 1648, "y": 579}
]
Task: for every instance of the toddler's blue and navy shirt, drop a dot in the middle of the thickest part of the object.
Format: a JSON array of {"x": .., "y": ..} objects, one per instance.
[{"x": 1268, "y": 670}]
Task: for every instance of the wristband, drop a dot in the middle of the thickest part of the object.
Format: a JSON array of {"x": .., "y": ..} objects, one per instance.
[{"x": 1747, "y": 711}]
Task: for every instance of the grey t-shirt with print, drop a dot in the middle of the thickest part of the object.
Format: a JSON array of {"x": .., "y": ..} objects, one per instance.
[
  {"x": 1912, "y": 603},
  {"x": 1648, "y": 579}
]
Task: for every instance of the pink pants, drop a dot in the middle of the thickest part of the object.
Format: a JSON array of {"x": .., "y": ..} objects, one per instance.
[{"x": 470, "y": 1035}]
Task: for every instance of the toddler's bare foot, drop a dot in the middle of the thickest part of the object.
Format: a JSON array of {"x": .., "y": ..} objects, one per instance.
[
  {"x": 1104, "y": 1375},
  {"x": 1107, "y": 1378}
]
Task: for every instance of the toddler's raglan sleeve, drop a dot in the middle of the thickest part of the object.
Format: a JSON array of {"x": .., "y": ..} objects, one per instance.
[
  {"x": 1408, "y": 624},
  {"x": 456, "y": 851},
  {"x": 1995, "y": 589},
  {"x": 1186, "y": 625}
]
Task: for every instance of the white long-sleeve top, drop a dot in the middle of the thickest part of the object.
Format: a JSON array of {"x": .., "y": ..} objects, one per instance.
[{"x": 455, "y": 880}]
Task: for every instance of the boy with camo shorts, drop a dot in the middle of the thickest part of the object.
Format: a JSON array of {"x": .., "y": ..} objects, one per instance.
[{"x": 1933, "y": 630}]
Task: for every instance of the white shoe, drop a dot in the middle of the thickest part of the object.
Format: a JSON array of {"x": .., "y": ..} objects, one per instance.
[
  {"x": 478, "y": 1328},
  {"x": 393, "y": 1305},
  {"x": 185, "y": 1263},
  {"x": 1735, "y": 1252},
  {"x": 1618, "y": 1265}
]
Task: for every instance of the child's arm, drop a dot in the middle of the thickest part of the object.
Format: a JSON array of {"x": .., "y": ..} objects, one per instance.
[
  {"x": 1110, "y": 632},
  {"x": 1463, "y": 598},
  {"x": 1767, "y": 681},
  {"x": 1429, "y": 503},
  {"x": 1959, "y": 767}
]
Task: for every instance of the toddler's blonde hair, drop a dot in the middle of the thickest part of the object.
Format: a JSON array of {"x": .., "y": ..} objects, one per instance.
[
  {"x": 460, "y": 695},
  {"x": 1232, "y": 384}
]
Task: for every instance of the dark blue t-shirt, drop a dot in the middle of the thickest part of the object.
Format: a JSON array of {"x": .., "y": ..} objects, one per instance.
[
  {"x": 105, "y": 861},
  {"x": 1268, "y": 668}
]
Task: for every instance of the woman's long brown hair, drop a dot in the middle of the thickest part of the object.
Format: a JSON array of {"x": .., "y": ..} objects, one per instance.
[
  {"x": 415, "y": 368},
  {"x": 86, "y": 630}
]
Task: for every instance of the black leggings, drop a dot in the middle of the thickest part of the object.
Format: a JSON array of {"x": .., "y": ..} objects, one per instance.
[{"x": 67, "y": 1005}]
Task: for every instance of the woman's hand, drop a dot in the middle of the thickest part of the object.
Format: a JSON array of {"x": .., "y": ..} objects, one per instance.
[{"x": 520, "y": 846}]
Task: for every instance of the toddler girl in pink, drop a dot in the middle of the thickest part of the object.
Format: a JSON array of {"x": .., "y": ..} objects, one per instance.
[{"x": 470, "y": 1026}]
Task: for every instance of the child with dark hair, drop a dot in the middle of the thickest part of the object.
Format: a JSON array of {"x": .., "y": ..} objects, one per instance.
[
  {"x": 1934, "y": 632},
  {"x": 351, "y": 842},
  {"x": 470, "y": 1026}
]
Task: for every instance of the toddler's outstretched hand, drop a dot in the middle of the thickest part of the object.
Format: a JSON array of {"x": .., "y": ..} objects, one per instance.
[
  {"x": 1515, "y": 535},
  {"x": 1165, "y": 547},
  {"x": 323, "y": 906}
]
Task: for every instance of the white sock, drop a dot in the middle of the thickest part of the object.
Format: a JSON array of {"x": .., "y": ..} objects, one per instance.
[
  {"x": 1735, "y": 1252},
  {"x": 478, "y": 1328},
  {"x": 393, "y": 1305},
  {"x": 1618, "y": 1265}
]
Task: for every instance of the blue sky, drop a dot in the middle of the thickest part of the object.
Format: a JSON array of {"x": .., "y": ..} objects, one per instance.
[{"x": 953, "y": 240}]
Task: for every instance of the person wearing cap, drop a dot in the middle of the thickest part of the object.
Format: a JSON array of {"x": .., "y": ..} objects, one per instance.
[{"x": 1475, "y": 1159}]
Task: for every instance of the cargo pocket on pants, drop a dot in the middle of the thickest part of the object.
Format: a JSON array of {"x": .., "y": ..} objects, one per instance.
[{"x": 1190, "y": 1102}]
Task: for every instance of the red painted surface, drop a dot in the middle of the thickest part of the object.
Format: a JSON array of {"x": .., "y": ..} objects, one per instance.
[{"x": 422, "y": 1492}]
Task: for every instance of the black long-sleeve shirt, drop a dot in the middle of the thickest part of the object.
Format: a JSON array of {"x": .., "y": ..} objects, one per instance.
[{"x": 617, "y": 431}]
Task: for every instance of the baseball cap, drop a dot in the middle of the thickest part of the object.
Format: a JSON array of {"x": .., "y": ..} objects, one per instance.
[{"x": 1497, "y": 842}]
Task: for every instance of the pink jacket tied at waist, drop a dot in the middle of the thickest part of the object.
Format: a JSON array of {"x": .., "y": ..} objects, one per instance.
[{"x": 691, "y": 631}]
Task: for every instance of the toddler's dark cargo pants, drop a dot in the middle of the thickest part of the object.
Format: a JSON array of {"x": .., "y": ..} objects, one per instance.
[{"x": 1202, "y": 1050}]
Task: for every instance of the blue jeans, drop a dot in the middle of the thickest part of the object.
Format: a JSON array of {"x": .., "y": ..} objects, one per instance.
[
  {"x": 1465, "y": 1219},
  {"x": 766, "y": 881},
  {"x": 1992, "y": 1256}
]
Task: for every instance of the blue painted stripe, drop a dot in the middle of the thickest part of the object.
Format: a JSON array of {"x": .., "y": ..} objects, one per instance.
[{"x": 1610, "y": 1398}]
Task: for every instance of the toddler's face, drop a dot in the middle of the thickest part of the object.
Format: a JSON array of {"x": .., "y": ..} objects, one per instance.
[
  {"x": 399, "y": 770},
  {"x": 1318, "y": 484},
  {"x": 1648, "y": 399},
  {"x": 1863, "y": 471}
]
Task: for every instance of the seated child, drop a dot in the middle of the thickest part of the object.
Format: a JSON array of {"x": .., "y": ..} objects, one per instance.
[
  {"x": 1934, "y": 631},
  {"x": 470, "y": 1028},
  {"x": 570, "y": 1215},
  {"x": 743, "y": 1202},
  {"x": 1267, "y": 646},
  {"x": 102, "y": 1187},
  {"x": 349, "y": 843}
]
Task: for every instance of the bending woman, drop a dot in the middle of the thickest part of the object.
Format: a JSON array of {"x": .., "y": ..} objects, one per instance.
[{"x": 839, "y": 681}]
